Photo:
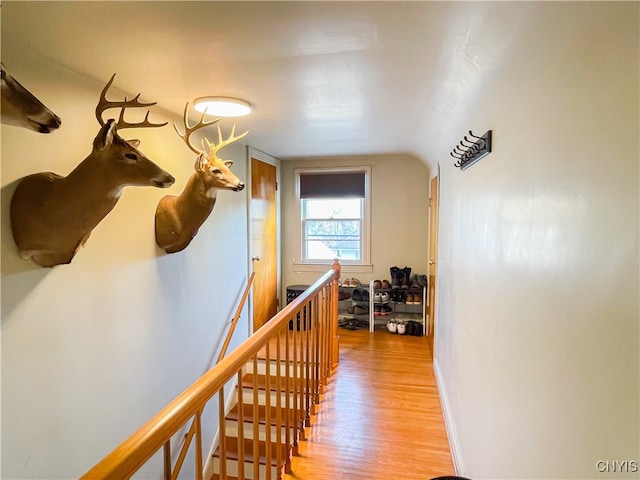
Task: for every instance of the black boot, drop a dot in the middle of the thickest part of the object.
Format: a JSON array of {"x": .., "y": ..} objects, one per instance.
[
  {"x": 406, "y": 277},
  {"x": 396, "y": 277},
  {"x": 411, "y": 327}
]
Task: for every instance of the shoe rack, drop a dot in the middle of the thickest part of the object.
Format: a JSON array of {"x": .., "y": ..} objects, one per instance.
[
  {"x": 398, "y": 304},
  {"x": 357, "y": 309}
]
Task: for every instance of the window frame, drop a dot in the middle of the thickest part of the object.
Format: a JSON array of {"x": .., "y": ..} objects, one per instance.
[{"x": 365, "y": 239}]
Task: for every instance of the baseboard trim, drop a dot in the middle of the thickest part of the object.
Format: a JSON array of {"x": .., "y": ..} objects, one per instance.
[{"x": 449, "y": 423}]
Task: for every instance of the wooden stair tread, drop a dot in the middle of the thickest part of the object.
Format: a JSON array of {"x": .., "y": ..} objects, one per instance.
[
  {"x": 247, "y": 413},
  {"x": 232, "y": 448},
  {"x": 261, "y": 382}
]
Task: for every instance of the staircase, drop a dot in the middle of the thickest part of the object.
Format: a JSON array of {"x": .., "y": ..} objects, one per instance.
[
  {"x": 275, "y": 431},
  {"x": 280, "y": 371}
]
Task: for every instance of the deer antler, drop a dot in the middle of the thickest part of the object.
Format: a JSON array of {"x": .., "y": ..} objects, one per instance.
[
  {"x": 214, "y": 148},
  {"x": 189, "y": 129},
  {"x": 104, "y": 104}
]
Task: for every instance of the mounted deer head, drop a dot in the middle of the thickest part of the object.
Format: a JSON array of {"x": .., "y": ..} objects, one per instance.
[
  {"x": 52, "y": 216},
  {"x": 178, "y": 218},
  {"x": 21, "y": 108}
]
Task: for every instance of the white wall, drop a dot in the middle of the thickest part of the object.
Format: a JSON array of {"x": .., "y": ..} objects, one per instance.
[
  {"x": 399, "y": 216},
  {"x": 537, "y": 334},
  {"x": 91, "y": 350}
]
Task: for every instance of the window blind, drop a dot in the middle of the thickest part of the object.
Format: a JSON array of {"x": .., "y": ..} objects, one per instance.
[{"x": 332, "y": 185}]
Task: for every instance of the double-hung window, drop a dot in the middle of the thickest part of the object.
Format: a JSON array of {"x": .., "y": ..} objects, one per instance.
[{"x": 334, "y": 215}]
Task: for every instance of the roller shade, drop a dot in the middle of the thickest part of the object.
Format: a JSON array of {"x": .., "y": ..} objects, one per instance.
[{"x": 332, "y": 185}]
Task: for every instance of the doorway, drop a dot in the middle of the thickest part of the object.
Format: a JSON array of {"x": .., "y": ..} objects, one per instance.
[{"x": 263, "y": 218}]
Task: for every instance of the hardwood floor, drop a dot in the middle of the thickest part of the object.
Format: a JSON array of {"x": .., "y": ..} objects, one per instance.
[{"x": 380, "y": 416}]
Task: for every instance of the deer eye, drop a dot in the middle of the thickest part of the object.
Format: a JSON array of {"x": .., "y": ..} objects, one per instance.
[
  {"x": 131, "y": 156},
  {"x": 217, "y": 171}
]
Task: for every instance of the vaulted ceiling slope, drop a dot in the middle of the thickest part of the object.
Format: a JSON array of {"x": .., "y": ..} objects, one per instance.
[{"x": 325, "y": 78}]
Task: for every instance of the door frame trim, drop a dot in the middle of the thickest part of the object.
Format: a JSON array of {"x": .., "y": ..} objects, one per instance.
[
  {"x": 271, "y": 160},
  {"x": 434, "y": 311}
]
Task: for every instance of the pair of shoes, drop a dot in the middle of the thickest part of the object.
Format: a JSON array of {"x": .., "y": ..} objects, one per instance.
[
  {"x": 357, "y": 310},
  {"x": 360, "y": 310},
  {"x": 381, "y": 297},
  {"x": 350, "y": 282},
  {"x": 381, "y": 309},
  {"x": 411, "y": 327},
  {"x": 347, "y": 322},
  {"x": 398, "y": 296},
  {"x": 360, "y": 295},
  {"x": 414, "y": 328},
  {"x": 343, "y": 295},
  {"x": 351, "y": 324},
  {"x": 414, "y": 298},
  {"x": 384, "y": 284},
  {"x": 418, "y": 281}
]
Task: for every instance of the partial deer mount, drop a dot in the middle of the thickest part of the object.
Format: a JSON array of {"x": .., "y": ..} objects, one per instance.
[
  {"x": 52, "y": 216},
  {"x": 21, "y": 108},
  {"x": 178, "y": 218}
]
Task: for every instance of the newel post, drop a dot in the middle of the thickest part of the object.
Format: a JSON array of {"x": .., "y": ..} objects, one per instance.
[{"x": 335, "y": 338}]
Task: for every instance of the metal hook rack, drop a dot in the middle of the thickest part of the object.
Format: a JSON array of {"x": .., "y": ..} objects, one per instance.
[{"x": 473, "y": 150}]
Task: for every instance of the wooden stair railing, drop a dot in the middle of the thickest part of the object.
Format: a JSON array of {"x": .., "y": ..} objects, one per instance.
[
  {"x": 301, "y": 341},
  {"x": 236, "y": 317}
]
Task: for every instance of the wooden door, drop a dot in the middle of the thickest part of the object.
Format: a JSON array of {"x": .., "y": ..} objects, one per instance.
[
  {"x": 433, "y": 253},
  {"x": 264, "y": 248}
]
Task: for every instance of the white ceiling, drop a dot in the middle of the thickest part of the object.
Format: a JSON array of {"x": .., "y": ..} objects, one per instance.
[{"x": 325, "y": 78}]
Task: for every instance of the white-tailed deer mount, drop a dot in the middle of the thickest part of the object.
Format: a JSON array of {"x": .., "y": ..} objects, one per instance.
[
  {"x": 21, "y": 108},
  {"x": 52, "y": 216},
  {"x": 178, "y": 218}
]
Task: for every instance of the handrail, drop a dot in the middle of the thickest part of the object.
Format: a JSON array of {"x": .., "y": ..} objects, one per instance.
[
  {"x": 234, "y": 321},
  {"x": 318, "y": 307}
]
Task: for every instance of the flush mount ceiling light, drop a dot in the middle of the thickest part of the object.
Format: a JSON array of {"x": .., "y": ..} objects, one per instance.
[{"x": 222, "y": 106}]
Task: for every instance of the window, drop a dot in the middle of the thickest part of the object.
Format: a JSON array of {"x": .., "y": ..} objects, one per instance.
[{"x": 334, "y": 215}]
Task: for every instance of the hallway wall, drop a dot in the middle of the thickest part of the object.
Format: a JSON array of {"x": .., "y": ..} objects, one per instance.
[
  {"x": 399, "y": 217},
  {"x": 538, "y": 321},
  {"x": 92, "y": 350}
]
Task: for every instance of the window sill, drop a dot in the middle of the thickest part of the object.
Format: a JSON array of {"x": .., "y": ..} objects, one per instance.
[{"x": 323, "y": 267}]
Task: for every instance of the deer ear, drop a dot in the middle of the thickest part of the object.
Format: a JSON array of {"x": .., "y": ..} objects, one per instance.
[
  {"x": 228, "y": 163},
  {"x": 201, "y": 161},
  {"x": 105, "y": 135},
  {"x": 135, "y": 143}
]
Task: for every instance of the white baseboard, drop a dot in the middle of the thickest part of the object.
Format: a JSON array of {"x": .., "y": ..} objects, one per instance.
[{"x": 449, "y": 423}]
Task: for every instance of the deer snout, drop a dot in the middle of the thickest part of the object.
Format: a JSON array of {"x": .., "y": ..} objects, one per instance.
[
  {"x": 165, "y": 181},
  {"x": 45, "y": 123},
  {"x": 239, "y": 187}
]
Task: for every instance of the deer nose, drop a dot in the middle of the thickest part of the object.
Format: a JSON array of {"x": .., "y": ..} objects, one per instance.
[
  {"x": 166, "y": 181},
  {"x": 239, "y": 187}
]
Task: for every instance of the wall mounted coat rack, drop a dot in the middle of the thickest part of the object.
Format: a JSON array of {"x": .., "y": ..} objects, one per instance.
[{"x": 468, "y": 152}]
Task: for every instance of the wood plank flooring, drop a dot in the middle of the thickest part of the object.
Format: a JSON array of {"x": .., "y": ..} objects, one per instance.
[{"x": 380, "y": 415}]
